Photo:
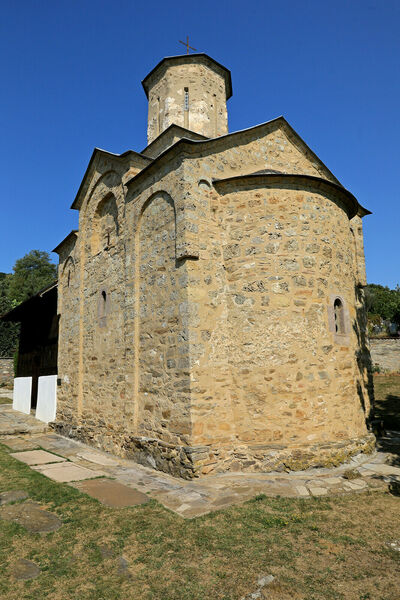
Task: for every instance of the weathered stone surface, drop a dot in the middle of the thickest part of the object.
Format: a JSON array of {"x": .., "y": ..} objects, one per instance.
[
  {"x": 66, "y": 471},
  {"x": 37, "y": 457},
  {"x": 395, "y": 545},
  {"x": 31, "y": 516},
  {"x": 24, "y": 569},
  {"x": 191, "y": 95},
  {"x": 13, "y": 422},
  {"x": 106, "y": 551},
  {"x": 385, "y": 353},
  {"x": 19, "y": 443},
  {"x": 112, "y": 493},
  {"x": 12, "y": 496},
  {"x": 97, "y": 458},
  {"x": 123, "y": 567},
  {"x": 6, "y": 371}
]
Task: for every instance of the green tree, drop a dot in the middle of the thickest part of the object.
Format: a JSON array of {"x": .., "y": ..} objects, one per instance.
[
  {"x": 381, "y": 300},
  {"x": 31, "y": 273},
  {"x": 8, "y": 331}
]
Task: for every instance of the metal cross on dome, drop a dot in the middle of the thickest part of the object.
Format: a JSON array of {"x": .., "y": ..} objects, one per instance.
[{"x": 187, "y": 45}]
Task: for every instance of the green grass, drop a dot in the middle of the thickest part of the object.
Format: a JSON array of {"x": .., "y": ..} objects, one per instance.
[
  {"x": 387, "y": 400},
  {"x": 316, "y": 549},
  {"x": 6, "y": 400}
]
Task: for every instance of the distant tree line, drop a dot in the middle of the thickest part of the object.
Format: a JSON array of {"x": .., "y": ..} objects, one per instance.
[{"x": 31, "y": 273}]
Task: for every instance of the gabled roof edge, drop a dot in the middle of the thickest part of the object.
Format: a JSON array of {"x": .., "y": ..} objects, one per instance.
[
  {"x": 94, "y": 154},
  {"x": 187, "y": 141},
  {"x": 72, "y": 233}
]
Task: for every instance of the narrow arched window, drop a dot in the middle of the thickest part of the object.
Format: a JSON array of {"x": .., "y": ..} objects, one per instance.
[
  {"x": 102, "y": 308},
  {"x": 186, "y": 108},
  {"x": 103, "y": 303},
  {"x": 338, "y": 311}
]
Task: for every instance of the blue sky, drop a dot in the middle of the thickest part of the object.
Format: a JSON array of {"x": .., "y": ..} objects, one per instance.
[{"x": 71, "y": 76}]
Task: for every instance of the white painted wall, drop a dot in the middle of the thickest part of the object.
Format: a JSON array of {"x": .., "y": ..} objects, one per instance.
[
  {"x": 47, "y": 398},
  {"x": 22, "y": 394}
]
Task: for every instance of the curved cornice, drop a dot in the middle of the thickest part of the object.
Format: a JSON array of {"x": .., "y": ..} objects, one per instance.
[
  {"x": 183, "y": 59},
  {"x": 350, "y": 201}
]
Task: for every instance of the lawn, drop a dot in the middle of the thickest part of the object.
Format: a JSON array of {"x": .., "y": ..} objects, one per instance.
[
  {"x": 387, "y": 401},
  {"x": 316, "y": 548}
]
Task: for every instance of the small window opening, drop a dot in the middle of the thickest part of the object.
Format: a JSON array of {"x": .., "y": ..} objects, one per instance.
[
  {"x": 339, "y": 316},
  {"x": 102, "y": 308},
  {"x": 103, "y": 304},
  {"x": 158, "y": 116},
  {"x": 186, "y": 104},
  {"x": 69, "y": 278}
]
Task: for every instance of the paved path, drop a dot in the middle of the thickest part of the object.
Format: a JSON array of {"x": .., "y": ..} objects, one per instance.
[
  {"x": 199, "y": 496},
  {"x": 13, "y": 422}
]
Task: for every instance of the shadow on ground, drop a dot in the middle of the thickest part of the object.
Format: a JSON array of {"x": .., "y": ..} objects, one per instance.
[{"x": 387, "y": 414}]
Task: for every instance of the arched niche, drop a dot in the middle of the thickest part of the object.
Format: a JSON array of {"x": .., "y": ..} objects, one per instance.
[
  {"x": 68, "y": 273},
  {"x": 160, "y": 339},
  {"x": 105, "y": 228}
]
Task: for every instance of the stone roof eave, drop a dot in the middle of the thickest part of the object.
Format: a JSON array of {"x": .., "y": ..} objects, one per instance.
[
  {"x": 185, "y": 144},
  {"x": 73, "y": 233},
  {"x": 182, "y": 58},
  {"x": 177, "y": 128},
  {"x": 351, "y": 202},
  {"x": 76, "y": 205}
]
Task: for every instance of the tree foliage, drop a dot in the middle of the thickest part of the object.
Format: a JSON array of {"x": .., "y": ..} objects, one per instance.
[
  {"x": 381, "y": 300},
  {"x": 31, "y": 273},
  {"x": 8, "y": 331}
]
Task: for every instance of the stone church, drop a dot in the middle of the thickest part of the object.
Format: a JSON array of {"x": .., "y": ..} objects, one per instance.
[{"x": 211, "y": 301}]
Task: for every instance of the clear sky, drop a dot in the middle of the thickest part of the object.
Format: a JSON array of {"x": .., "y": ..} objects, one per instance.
[{"x": 71, "y": 76}]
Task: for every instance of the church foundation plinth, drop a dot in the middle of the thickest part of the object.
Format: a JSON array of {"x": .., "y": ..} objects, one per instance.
[{"x": 189, "y": 462}]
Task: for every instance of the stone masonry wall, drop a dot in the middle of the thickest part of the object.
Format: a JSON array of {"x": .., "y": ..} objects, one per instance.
[
  {"x": 206, "y": 114},
  {"x": 197, "y": 329},
  {"x": 385, "y": 353},
  {"x": 6, "y": 371},
  {"x": 284, "y": 387}
]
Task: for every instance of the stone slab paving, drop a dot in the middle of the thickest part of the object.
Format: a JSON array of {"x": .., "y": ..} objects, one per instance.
[
  {"x": 37, "y": 457},
  {"x": 13, "y": 422},
  {"x": 18, "y": 443},
  {"x": 200, "y": 496},
  {"x": 12, "y": 496},
  {"x": 31, "y": 516},
  {"x": 111, "y": 493},
  {"x": 97, "y": 459},
  {"x": 66, "y": 471},
  {"x": 23, "y": 569}
]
